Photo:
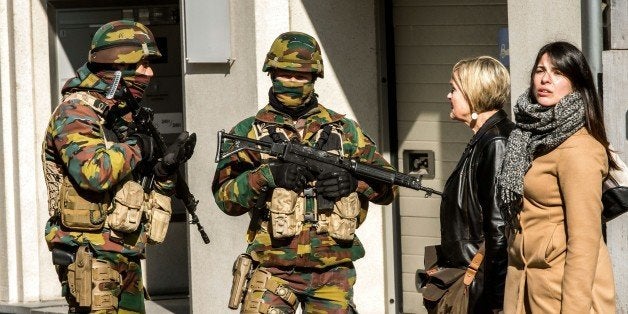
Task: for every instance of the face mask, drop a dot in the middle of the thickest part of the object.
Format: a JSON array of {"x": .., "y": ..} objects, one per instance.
[
  {"x": 292, "y": 94},
  {"x": 137, "y": 85}
]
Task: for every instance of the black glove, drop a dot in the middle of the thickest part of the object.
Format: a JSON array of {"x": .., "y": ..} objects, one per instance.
[
  {"x": 289, "y": 176},
  {"x": 176, "y": 154},
  {"x": 146, "y": 144},
  {"x": 336, "y": 184}
]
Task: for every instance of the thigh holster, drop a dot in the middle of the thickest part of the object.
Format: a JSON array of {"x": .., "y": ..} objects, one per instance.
[
  {"x": 262, "y": 281},
  {"x": 93, "y": 282}
]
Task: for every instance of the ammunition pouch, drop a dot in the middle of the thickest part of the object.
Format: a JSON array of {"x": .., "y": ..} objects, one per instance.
[
  {"x": 81, "y": 212},
  {"x": 126, "y": 211},
  {"x": 287, "y": 211},
  {"x": 241, "y": 274},
  {"x": 158, "y": 214},
  {"x": 93, "y": 282},
  {"x": 343, "y": 219},
  {"x": 261, "y": 282}
]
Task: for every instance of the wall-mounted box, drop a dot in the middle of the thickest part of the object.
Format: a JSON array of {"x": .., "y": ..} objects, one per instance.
[{"x": 419, "y": 163}]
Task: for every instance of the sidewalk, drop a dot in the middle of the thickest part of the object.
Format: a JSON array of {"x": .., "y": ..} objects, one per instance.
[{"x": 160, "y": 306}]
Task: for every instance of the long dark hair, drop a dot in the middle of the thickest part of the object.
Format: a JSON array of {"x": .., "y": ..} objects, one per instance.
[{"x": 571, "y": 62}]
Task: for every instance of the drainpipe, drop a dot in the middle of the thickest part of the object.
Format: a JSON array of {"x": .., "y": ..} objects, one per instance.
[{"x": 591, "y": 12}]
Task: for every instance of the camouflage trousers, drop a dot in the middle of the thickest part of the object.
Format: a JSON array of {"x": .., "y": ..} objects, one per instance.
[
  {"x": 321, "y": 291},
  {"x": 130, "y": 294}
]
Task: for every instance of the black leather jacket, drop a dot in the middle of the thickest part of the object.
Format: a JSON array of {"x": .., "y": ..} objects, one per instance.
[{"x": 469, "y": 214}]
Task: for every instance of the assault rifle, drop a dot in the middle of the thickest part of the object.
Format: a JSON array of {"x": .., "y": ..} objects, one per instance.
[
  {"x": 318, "y": 161},
  {"x": 143, "y": 118}
]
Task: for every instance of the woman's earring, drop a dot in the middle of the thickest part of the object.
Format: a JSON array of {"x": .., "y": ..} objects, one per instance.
[{"x": 474, "y": 116}]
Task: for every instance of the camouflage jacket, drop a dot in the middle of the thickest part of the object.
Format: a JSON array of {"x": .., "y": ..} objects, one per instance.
[
  {"x": 76, "y": 146},
  {"x": 239, "y": 180}
]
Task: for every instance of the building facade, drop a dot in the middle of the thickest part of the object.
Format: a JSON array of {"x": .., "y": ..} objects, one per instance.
[{"x": 387, "y": 65}]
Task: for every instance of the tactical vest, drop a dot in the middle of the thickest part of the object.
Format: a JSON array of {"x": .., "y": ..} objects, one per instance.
[
  {"x": 120, "y": 210},
  {"x": 289, "y": 211}
]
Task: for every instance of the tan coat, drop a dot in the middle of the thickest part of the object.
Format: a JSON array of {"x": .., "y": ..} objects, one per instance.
[{"x": 559, "y": 263}]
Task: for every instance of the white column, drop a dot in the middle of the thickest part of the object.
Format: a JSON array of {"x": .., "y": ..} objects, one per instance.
[
  {"x": 532, "y": 24},
  {"x": 25, "y": 107},
  {"x": 217, "y": 96}
]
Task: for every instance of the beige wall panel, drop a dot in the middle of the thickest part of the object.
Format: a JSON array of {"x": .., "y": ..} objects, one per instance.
[
  {"x": 430, "y": 36},
  {"x": 413, "y": 301},
  {"x": 410, "y": 263},
  {"x": 424, "y": 111},
  {"x": 443, "y": 152},
  {"x": 423, "y": 73},
  {"x": 422, "y": 92},
  {"x": 451, "y": 15},
  {"x": 414, "y": 245},
  {"x": 410, "y": 206},
  {"x": 420, "y": 227},
  {"x": 441, "y": 54},
  {"x": 410, "y": 35},
  {"x": 423, "y": 3},
  {"x": 435, "y": 131}
]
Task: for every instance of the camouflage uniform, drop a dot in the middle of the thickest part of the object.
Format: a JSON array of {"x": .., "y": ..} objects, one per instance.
[
  {"x": 80, "y": 145},
  {"x": 315, "y": 266}
]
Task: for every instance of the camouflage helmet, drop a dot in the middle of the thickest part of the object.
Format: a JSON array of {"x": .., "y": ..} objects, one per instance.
[
  {"x": 295, "y": 51},
  {"x": 123, "y": 42}
]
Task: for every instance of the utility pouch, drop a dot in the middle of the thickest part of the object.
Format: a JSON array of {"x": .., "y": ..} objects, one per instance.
[
  {"x": 241, "y": 274},
  {"x": 80, "y": 277},
  {"x": 158, "y": 216},
  {"x": 287, "y": 211},
  {"x": 343, "y": 219},
  {"x": 106, "y": 285},
  {"x": 126, "y": 212},
  {"x": 81, "y": 213},
  {"x": 261, "y": 282}
]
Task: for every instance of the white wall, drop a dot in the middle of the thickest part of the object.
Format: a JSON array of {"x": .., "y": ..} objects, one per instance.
[
  {"x": 532, "y": 24},
  {"x": 217, "y": 97},
  {"x": 26, "y": 273}
]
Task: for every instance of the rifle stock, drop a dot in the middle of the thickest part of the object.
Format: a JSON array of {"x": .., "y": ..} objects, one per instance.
[{"x": 318, "y": 161}]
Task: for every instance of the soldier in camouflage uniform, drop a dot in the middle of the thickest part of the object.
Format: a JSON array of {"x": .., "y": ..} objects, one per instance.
[
  {"x": 101, "y": 218},
  {"x": 300, "y": 255}
]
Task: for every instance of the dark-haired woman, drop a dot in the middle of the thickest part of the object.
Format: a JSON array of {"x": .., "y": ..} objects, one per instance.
[{"x": 551, "y": 187}]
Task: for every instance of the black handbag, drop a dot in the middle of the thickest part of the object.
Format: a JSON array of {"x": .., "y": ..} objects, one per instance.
[{"x": 615, "y": 191}]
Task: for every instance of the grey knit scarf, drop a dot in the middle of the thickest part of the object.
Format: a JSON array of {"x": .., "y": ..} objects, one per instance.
[{"x": 539, "y": 129}]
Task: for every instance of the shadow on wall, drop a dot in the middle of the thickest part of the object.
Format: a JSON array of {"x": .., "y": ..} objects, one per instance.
[{"x": 347, "y": 35}]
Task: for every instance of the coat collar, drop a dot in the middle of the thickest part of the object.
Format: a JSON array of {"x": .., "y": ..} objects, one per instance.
[{"x": 489, "y": 124}]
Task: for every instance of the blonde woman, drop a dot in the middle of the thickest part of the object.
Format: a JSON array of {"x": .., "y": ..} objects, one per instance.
[{"x": 469, "y": 212}]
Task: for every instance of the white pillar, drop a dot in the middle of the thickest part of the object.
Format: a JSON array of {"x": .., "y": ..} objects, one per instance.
[
  {"x": 25, "y": 107},
  {"x": 532, "y": 24}
]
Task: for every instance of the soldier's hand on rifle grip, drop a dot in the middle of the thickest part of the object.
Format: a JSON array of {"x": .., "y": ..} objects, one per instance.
[
  {"x": 336, "y": 184},
  {"x": 146, "y": 144},
  {"x": 176, "y": 154},
  {"x": 289, "y": 176}
]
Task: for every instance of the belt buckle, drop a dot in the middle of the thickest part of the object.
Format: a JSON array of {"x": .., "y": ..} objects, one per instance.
[
  {"x": 309, "y": 192},
  {"x": 310, "y": 217}
]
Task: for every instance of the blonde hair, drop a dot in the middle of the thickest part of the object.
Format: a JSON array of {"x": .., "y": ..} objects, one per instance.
[{"x": 484, "y": 82}]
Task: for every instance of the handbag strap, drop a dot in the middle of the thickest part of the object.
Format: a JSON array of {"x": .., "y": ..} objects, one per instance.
[{"x": 472, "y": 270}]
